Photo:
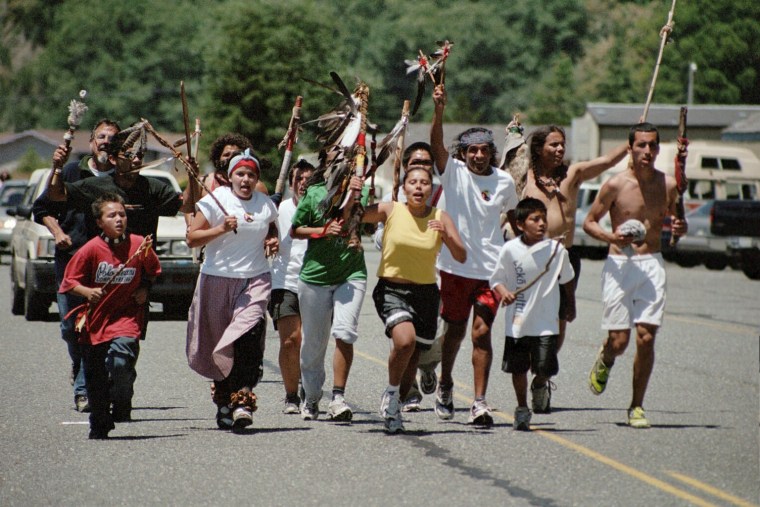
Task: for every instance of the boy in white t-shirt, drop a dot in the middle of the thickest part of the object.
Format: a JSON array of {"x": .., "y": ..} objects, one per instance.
[{"x": 528, "y": 277}]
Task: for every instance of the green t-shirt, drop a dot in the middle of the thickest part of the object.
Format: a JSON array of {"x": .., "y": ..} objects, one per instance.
[{"x": 328, "y": 260}]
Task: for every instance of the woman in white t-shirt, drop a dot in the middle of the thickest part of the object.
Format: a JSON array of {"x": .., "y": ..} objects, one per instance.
[
  {"x": 283, "y": 306},
  {"x": 233, "y": 288}
]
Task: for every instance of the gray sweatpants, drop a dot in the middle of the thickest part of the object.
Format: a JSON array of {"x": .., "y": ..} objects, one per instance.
[{"x": 326, "y": 310}]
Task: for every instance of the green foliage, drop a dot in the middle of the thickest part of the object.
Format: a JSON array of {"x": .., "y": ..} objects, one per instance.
[
  {"x": 29, "y": 162},
  {"x": 243, "y": 61}
]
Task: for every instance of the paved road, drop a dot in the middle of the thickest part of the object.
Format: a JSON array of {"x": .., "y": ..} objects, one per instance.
[{"x": 702, "y": 449}]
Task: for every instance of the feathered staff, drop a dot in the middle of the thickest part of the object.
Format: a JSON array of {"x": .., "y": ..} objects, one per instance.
[
  {"x": 85, "y": 309},
  {"x": 76, "y": 113},
  {"x": 430, "y": 66},
  {"x": 360, "y": 154},
  {"x": 291, "y": 137},
  {"x": 680, "y": 169},
  {"x": 664, "y": 32},
  {"x": 400, "y": 133},
  {"x": 515, "y": 158}
]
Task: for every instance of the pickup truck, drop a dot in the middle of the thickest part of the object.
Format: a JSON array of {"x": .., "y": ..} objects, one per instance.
[
  {"x": 32, "y": 249},
  {"x": 739, "y": 222}
]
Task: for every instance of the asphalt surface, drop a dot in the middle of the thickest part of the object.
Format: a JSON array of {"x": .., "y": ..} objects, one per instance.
[{"x": 701, "y": 450}]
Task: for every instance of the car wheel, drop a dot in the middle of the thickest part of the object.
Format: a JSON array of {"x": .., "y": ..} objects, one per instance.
[
  {"x": 718, "y": 264},
  {"x": 17, "y": 307},
  {"x": 752, "y": 272},
  {"x": 686, "y": 261},
  {"x": 35, "y": 304}
]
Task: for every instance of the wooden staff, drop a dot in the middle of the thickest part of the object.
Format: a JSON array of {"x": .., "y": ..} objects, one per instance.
[
  {"x": 290, "y": 139},
  {"x": 190, "y": 168},
  {"x": 664, "y": 32},
  {"x": 680, "y": 170},
  {"x": 76, "y": 113},
  {"x": 362, "y": 94},
  {"x": 399, "y": 152}
]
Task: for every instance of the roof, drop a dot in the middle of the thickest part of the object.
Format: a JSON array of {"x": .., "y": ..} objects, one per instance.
[
  {"x": 667, "y": 114},
  {"x": 81, "y": 142},
  {"x": 749, "y": 125}
]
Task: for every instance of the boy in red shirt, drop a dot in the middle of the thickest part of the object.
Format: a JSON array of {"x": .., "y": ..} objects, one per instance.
[{"x": 112, "y": 272}]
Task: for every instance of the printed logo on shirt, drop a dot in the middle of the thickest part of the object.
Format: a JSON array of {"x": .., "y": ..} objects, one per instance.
[
  {"x": 520, "y": 301},
  {"x": 486, "y": 195},
  {"x": 106, "y": 271},
  {"x": 248, "y": 217}
]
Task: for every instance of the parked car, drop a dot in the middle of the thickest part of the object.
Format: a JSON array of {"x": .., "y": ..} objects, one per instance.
[
  {"x": 33, "y": 249},
  {"x": 739, "y": 222},
  {"x": 11, "y": 194},
  {"x": 699, "y": 246},
  {"x": 589, "y": 247}
]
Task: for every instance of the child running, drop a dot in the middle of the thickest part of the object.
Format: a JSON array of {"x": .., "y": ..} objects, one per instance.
[{"x": 529, "y": 275}]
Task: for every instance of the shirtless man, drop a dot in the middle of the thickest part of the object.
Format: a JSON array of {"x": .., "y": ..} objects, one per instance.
[{"x": 633, "y": 278}]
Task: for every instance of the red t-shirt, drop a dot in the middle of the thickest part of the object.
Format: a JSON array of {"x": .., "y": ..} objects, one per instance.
[{"x": 116, "y": 314}]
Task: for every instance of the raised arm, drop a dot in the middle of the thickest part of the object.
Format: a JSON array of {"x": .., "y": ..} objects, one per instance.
[
  {"x": 584, "y": 171},
  {"x": 440, "y": 155},
  {"x": 56, "y": 189}
]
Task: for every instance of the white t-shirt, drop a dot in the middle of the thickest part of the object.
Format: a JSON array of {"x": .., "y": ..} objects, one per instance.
[
  {"x": 287, "y": 264},
  {"x": 475, "y": 203},
  {"x": 535, "y": 312},
  {"x": 238, "y": 255}
]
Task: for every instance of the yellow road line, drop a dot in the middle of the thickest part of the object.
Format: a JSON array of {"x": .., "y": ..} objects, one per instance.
[
  {"x": 722, "y": 326},
  {"x": 710, "y": 489},
  {"x": 642, "y": 476}
]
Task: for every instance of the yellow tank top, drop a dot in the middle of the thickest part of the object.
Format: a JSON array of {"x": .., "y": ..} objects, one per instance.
[{"x": 409, "y": 247}]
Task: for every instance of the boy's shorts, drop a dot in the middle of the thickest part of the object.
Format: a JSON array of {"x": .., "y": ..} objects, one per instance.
[
  {"x": 535, "y": 353},
  {"x": 283, "y": 303},
  {"x": 401, "y": 302},
  {"x": 459, "y": 294}
]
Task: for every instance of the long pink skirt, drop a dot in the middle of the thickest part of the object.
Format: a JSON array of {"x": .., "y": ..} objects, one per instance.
[{"x": 223, "y": 310}]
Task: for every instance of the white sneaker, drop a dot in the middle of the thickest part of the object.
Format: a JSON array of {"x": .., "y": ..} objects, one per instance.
[
  {"x": 444, "y": 403},
  {"x": 310, "y": 410},
  {"x": 291, "y": 407},
  {"x": 522, "y": 419},
  {"x": 338, "y": 409},
  {"x": 542, "y": 397},
  {"x": 390, "y": 411},
  {"x": 241, "y": 417},
  {"x": 480, "y": 414},
  {"x": 412, "y": 404}
]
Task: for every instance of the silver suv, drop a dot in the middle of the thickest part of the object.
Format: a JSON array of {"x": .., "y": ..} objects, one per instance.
[{"x": 33, "y": 249}]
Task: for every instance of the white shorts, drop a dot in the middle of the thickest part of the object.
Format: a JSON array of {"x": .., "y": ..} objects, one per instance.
[{"x": 633, "y": 291}]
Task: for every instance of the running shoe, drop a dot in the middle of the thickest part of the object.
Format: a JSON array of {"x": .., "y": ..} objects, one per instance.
[
  {"x": 444, "y": 402},
  {"x": 428, "y": 381},
  {"x": 637, "y": 418},
  {"x": 338, "y": 409},
  {"x": 542, "y": 397},
  {"x": 480, "y": 414},
  {"x": 292, "y": 404},
  {"x": 597, "y": 377},
  {"x": 241, "y": 417},
  {"x": 310, "y": 410},
  {"x": 391, "y": 413},
  {"x": 81, "y": 403},
  {"x": 224, "y": 417},
  {"x": 522, "y": 419},
  {"x": 412, "y": 403}
]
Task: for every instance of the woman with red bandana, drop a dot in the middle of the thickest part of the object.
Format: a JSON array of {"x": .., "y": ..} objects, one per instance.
[{"x": 233, "y": 289}]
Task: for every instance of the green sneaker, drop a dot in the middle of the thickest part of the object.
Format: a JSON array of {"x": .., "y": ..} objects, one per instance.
[
  {"x": 597, "y": 377},
  {"x": 637, "y": 418}
]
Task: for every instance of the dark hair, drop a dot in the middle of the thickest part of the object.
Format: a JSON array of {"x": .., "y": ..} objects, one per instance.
[
  {"x": 536, "y": 143},
  {"x": 104, "y": 122},
  {"x": 428, "y": 171},
  {"x": 526, "y": 207},
  {"x": 458, "y": 148},
  {"x": 234, "y": 139},
  {"x": 97, "y": 205},
  {"x": 419, "y": 145},
  {"x": 642, "y": 127},
  {"x": 301, "y": 165}
]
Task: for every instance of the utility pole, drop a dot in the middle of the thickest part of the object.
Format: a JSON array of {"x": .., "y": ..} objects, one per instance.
[{"x": 690, "y": 89}]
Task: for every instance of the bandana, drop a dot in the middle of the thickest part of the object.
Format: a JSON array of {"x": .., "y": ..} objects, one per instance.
[
  {"x": 245, "y": 159},
  {"x": 479, "y": 136}
]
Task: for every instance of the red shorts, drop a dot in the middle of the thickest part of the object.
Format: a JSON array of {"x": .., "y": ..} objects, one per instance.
[{"x": 459, "y": 294}]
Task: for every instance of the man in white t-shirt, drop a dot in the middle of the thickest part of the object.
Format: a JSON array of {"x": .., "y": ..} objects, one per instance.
[{"x": 476, "y": 193}]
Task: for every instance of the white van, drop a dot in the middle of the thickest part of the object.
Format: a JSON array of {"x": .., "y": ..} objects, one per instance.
[{"x": 714, "y": 171}]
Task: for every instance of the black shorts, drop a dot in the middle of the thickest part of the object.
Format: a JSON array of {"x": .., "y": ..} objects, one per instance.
[
  {"x": 535, "y": 353},
  {"x": 283, "y": 303},
  {"x": 401, "y": 302}
]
